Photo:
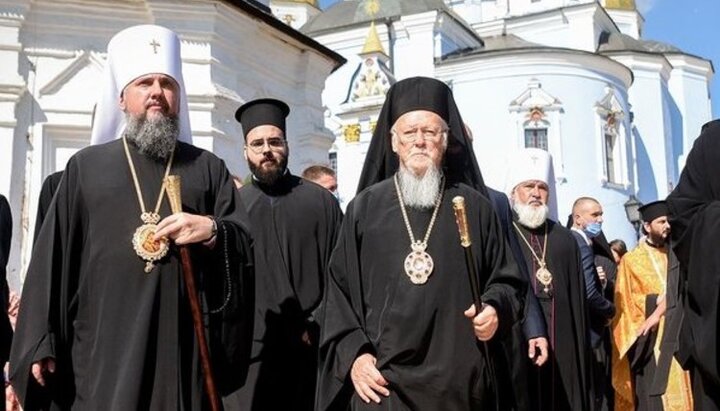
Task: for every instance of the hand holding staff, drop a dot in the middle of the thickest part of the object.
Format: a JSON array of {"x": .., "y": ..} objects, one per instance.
[
  {"x": 172, "y": 185},
  {"x": 480, "y": 308}
]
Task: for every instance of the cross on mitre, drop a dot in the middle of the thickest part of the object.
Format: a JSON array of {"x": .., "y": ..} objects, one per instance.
[
  {"x": 534, "y": 159},
  {"x": 154, "y": 45}
]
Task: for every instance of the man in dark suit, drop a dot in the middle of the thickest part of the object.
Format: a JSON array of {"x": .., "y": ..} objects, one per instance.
[{"x": 587, "y": 217}]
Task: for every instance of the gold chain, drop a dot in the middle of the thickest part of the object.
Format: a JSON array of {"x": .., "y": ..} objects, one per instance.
[
  {"x": 539, "y": 261},
  {"x": 137, "y": 182},
  {"x": 438, "y": 201}
]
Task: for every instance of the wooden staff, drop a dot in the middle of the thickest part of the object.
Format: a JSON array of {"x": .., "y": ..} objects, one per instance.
[
  {"x": 172, "y": 185},
  {"x": 466, "y": 243}
]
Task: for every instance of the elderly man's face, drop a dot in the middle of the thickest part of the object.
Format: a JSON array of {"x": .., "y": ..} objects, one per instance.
[
  {"x": 532, "y": 192},
  {"x": 150, "y": 96},
  {"x": 419, "y": 138}
]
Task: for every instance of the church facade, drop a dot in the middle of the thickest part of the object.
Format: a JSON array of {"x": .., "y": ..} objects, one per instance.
[
  {"x": 53, "y": 53},
  {"x": 618, "y": 113}
]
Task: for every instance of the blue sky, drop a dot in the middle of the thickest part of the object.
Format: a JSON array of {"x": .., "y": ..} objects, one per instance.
[{"x": 688, "y": 24}]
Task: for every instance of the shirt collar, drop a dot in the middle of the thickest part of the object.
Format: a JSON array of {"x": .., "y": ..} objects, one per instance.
[{"x": 582, "y": 233}]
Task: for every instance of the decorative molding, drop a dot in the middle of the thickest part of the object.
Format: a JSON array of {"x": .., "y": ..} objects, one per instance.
[
  {"x": 83, "y": 60},
  {"x": 535, "y": 101}
]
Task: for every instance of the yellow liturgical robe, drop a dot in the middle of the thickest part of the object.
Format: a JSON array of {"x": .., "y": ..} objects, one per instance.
[{"x": 642, "y": 272}]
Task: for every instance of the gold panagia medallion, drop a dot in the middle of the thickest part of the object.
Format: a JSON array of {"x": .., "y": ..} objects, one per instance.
[
  {"x": 147, "y": 248},
  {"x": 418, "y": 264},
  {"x": 545, "y": 277}
]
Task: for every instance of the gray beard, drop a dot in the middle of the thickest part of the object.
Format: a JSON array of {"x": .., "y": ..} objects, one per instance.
[
  {"x": 420, "y": 192},
  {"x": 153, "y": 138},
  {"x": 531, "y": 216}
]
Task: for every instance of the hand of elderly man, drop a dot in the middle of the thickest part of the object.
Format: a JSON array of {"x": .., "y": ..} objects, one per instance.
[
  {"x": 485, "y": 324},
  {"x": 367, "y": 379}
]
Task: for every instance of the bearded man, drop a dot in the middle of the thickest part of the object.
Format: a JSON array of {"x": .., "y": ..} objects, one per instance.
[
  {"x": 552, "y": 257},
  {"x": 638, "y": 326},
  {"x": 294, "y": 226},
  {"x": 398, "y": 329},
  {"x": 105, "y": 322}
]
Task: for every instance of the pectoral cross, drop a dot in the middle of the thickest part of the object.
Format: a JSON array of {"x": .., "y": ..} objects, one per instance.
[{"x": 154, "y": 45}]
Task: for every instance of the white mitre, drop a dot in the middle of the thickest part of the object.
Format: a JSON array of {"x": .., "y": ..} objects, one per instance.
[
  {"x": 135, "y": 52},
  {"x": 532, "y": 164}
]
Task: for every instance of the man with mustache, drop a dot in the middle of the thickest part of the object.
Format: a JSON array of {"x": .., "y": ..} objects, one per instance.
[
  {"x": 105, "y": 322},
  {"x": 640, "y": 298},
  {"x": 294, "y": 226},
  {"x": 553, "y": 260},
  {"x": 398, "y": 327}
]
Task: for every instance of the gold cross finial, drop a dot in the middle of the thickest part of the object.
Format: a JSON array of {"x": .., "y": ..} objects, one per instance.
[
  {"x": 372, "y": 7},
  {"x": 154, "y": 45}
]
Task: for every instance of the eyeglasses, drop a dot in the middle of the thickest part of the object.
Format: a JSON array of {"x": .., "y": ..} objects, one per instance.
[
  {"x": 428, "y": 134},
  {"x": 274, "y": 143}
]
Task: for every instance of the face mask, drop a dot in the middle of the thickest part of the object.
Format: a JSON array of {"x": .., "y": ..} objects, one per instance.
[{"x": 593, "y": 230}]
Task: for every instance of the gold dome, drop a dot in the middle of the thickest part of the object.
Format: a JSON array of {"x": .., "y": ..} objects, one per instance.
[
  {"x": 621, "y": 5},
  {"x": 372, "y": 42}
]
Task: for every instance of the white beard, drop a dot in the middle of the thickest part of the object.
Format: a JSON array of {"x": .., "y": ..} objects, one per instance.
[
  {"x": 531, "y": 216},
  {"x": 420, "y": 192}
]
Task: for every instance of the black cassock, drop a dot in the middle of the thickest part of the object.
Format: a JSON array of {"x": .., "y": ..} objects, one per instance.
[
  {"x": 6, "y": 332},
  {"x": 47, "y": 192},
  {"x": 695, "y": 219},
  {"x": 123, "y": 339},
  {"x": 424, "y": 345},
  {"x": 295, "y": 225},
  {"x": 562, "y": 383}
]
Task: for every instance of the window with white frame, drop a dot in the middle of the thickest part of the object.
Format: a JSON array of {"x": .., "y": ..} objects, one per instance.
[
  {"x": 332, "y": 159},
  {"x": 610, "y": 138},
  {"x": 610, "y": 148},
  {"x": 536, "y": 137}
]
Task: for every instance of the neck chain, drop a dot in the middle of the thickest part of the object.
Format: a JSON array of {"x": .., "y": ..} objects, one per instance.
[
  {"x": 542, "y": 274},
  {"x": 418, "y": 264},
  {"x": 147, "y": 248}
]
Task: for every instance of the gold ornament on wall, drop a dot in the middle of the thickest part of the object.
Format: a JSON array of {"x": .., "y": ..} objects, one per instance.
[{"x": 351, "y": 132}]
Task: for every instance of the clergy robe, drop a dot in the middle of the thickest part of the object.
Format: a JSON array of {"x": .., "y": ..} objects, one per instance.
[
  {"x": 641, "y": 279},
  {"x": 294, "y": 224},
  {"x": 123, "y": 339},
  {"x": 512, "y": 370},
  {"x": 563, "y": 382},
  {"x": 695, "y": 219},
  {"x": 424, "y": 345},
  {"x": 47, "y": 192},
  {"x": 6, "y": 332}
]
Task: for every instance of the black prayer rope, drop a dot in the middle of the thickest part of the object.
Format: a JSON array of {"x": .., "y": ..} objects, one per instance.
[{"x": 228, "y": 281}]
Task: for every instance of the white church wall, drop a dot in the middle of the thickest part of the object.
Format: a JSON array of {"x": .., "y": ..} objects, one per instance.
[
  {"x": 572, "y": 27},
  {"x": 652, "y": 124},
  {"x": 415, "y": 51},
  {"x": 689, "y": 89}
]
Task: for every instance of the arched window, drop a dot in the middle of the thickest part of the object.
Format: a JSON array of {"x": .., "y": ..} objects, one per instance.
[{"x": 611, "y": 135}]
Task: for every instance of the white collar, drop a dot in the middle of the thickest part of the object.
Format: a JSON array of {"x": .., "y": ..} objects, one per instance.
[{"x": 582, "y": 233}]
